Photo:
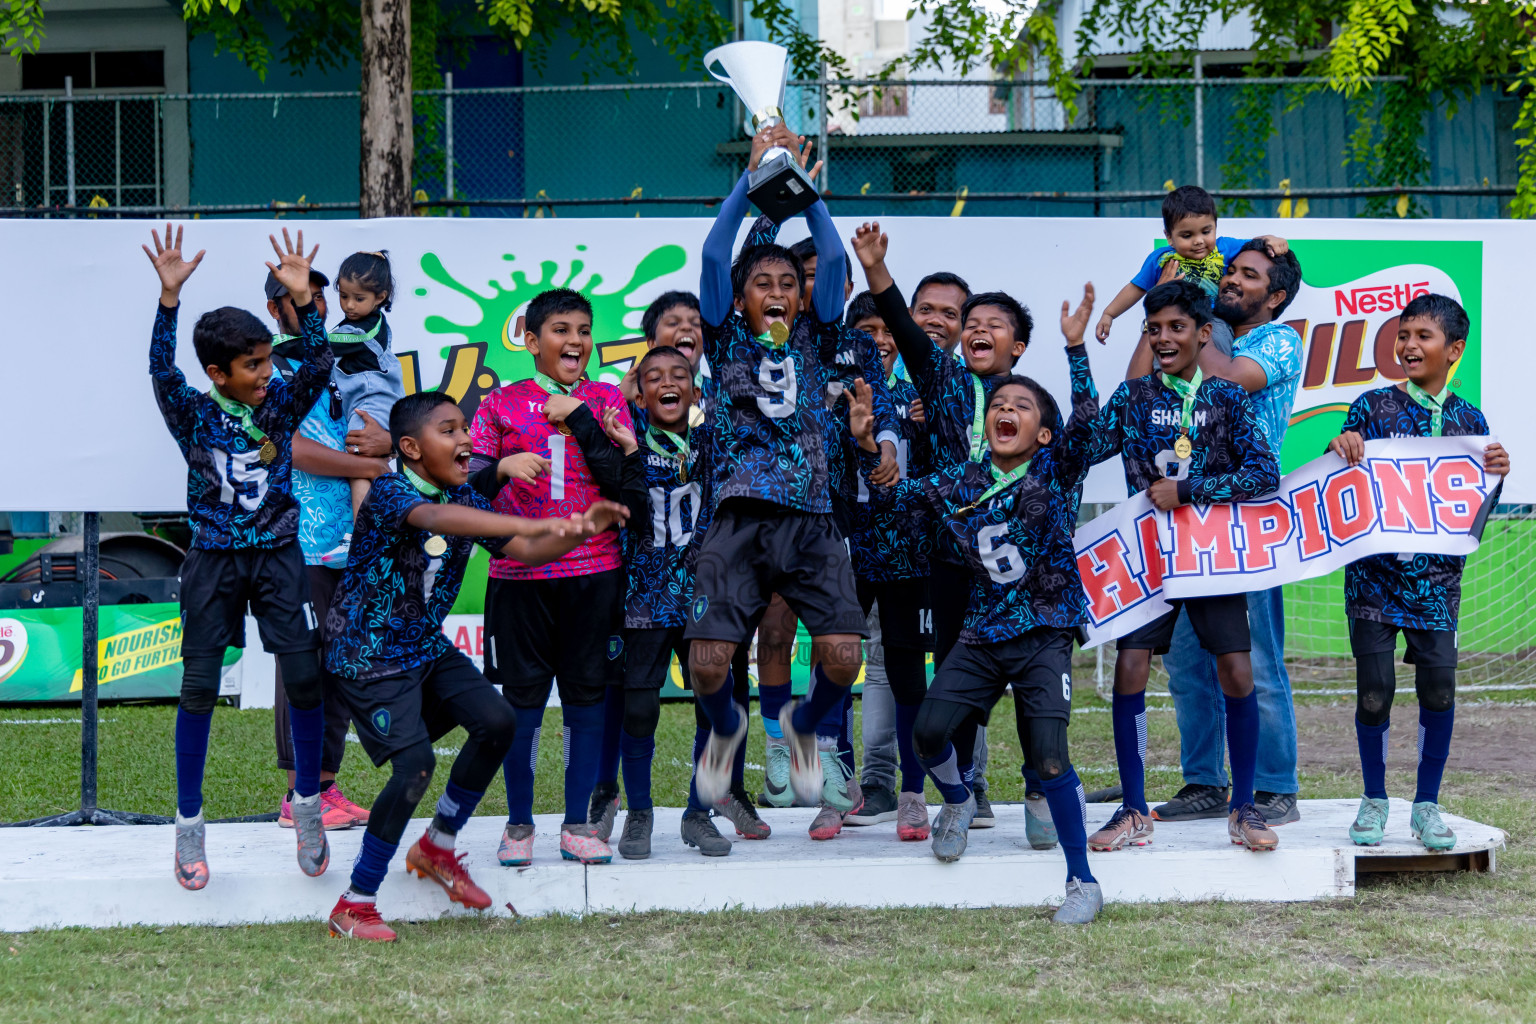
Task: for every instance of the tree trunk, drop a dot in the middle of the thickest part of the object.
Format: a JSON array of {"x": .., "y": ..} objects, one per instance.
[{"x": 388, "y": 145}]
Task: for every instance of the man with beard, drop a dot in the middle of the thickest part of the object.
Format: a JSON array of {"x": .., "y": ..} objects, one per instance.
[{"x": 1266, "y": 360}]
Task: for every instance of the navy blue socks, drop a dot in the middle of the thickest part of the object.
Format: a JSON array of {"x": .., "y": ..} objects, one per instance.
[
  {"x": 911, "y": 767},
  {"x": 1373, "y": 757},
  {"x": 517, "y": 768},
  {"x": 1129, "y": 711},
  {"x": 1068, "y": 806},
  {"x": 308, "y": 728},
  {"x": 613, "y": 725},
  {"x": 583, "y": 735},
  {"x": 191, "y": 758},
  {"x": 1434, "y": 749},
  {"x": 823, "y": 696},
  {"x": 721, "y": 708},
  {"x": 372, "y": 864},
  {"x": 637, "y": 753},
  {"x": 945, "y": 771},
  {"x": 455, "y": 806},
  {"x": 1242, "y": 746}
]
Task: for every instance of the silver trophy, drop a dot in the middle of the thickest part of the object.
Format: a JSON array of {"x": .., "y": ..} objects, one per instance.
[{"x": 758, "y": 73}]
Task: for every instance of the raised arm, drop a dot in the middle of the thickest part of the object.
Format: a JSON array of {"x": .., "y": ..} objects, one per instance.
[
  {"x": 536, "y": 551},
  {"x": 715, "y": 280},
  {"x": 1072, "y": 451},
  {"x": 831, "y": 264},
  {"x": 172, "y": 392}
]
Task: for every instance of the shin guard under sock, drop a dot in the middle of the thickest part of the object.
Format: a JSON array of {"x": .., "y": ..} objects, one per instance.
[
  {"x": 1069, "y": 808},
  {"x": 519, "y": 764},
  {"x": 1434, "y": 749},
  {"x": 1129, "y": 711},
  {"x": 1242, "y": 746},
  {"x": 191, "y": 759},
  {"x": 583, "y": 736},
  {"x": 945, "y": 771},
  {"x": 1372, "y": 740}
]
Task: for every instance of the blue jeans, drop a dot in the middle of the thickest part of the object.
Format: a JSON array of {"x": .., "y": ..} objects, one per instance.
[{"x": 1201, "y": 712}]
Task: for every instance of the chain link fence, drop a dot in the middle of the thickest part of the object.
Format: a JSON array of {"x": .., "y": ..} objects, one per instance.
[{"x": 914, "y": 147}]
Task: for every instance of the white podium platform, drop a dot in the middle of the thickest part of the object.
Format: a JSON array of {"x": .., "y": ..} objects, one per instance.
[{"x": 103, "y": 877}]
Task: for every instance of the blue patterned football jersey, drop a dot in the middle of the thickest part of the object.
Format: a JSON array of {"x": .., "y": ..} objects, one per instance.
[
  {"x": 947, "y": 388},
  {"x": 669, "y": 515},
  {"x": 1231, "y": 460},
  {"x": 1018, "y": 542},
  {"x": 885, "y": 544},
  {"x": 1421, "y": 591},
  {"x": 234, "y": 500},
  {"x": 769, "y": 414},
  {"x": 387, "y": 615}
]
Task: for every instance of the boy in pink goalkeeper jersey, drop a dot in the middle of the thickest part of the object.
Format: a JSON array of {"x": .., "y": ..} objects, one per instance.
[{"x": 557, "y": 621}]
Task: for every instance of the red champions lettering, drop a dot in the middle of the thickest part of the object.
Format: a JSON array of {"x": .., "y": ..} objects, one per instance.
[
  {"x": 1107, "y": 577},
  {"x": 1203, "y": 530},
  {"x": 461, "y": 641},
  {"x": 1377, "y": 298},
  {"x": 1151, "y": 551},
  {"x": 1404, "y": 489},
  {"x": 1458, "y": 484},
  {"x": 1308, "y": 502},
  {"x": 1266, "y": 526},
  {"x": 1350, "y": 504}
]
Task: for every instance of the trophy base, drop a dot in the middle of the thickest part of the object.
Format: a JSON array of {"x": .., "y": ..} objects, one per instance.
[{"x": 780, "y": 188}]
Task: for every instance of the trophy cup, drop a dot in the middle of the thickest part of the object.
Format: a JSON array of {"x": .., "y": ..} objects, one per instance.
[{"x": 758, "y": 73}]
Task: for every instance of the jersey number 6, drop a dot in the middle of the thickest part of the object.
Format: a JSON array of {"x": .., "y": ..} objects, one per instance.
[{"x": 1001, "y": 558}]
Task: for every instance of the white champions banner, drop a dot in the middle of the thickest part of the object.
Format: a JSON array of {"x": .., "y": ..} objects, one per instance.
[
  {"x": 1412, "y": 495},
  {"x": 79, "y": 429}
]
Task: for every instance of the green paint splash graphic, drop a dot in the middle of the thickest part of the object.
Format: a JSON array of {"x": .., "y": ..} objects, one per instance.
[{"x": 505, "y": 355}]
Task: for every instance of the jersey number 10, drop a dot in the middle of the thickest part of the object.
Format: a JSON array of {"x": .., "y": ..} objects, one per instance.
[{"x": 668, "y": 517}]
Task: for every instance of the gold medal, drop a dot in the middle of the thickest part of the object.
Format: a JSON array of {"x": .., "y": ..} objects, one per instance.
[
  {"x": 779, "y": 332},
  {"x": 682, "y": 471},
  {"x": 435, "y": 546},
  {"x": 268, "y": 452},
  {"x": 564, "y": 429},
  {"x": 1182, "y": 447}
]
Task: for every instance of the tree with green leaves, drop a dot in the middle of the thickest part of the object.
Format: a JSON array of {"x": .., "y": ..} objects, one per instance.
[
  {"x": 400, "y": 45},
  {"x": 1446, "y": 53}
]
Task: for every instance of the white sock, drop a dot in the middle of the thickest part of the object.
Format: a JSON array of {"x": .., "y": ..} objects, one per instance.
[
  {"x": 307, "y": 802},
  {"x": 189, "y": 822},
  {"x": 353, "y": 896},
  {"x": 440, "y": 839}
]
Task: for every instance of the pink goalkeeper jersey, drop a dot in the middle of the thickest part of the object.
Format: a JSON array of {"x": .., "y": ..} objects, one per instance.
[{"x": 511, "y": 420}]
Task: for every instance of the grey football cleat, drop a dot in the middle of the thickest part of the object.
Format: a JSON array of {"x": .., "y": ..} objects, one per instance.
[
  {"x": 308, "y": 828},
  {"x": 1083, "y": 903},
  {"x": 635, "y": 842},
  {"x": 950, "y": 828},
  {"x": 698, "y": 831},
  {"x": 191, "y": 854},
  {"x": 603, "y": 809}
]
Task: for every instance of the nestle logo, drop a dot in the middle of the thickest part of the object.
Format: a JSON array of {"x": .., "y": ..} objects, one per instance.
[{"x": 1379, "y": 298}]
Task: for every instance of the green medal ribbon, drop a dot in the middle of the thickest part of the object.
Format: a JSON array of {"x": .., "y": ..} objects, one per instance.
[
  {"x": 679, "y": 441},
  {"x": 549, "y": 384},
  {"x": 241, "y": 412},
  {"x": 890, "y": 382},
  {"x": 430, "y": 490},
  {"x": 1434, "y": 403},
  {"x": 1001, "y": 480},
  {"x": 1185, "y": 389},
  {"x": 978, "y": 419}
]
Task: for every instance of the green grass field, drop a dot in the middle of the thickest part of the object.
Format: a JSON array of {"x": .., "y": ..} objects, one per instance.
[{"x": 1410, "y": 949}]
